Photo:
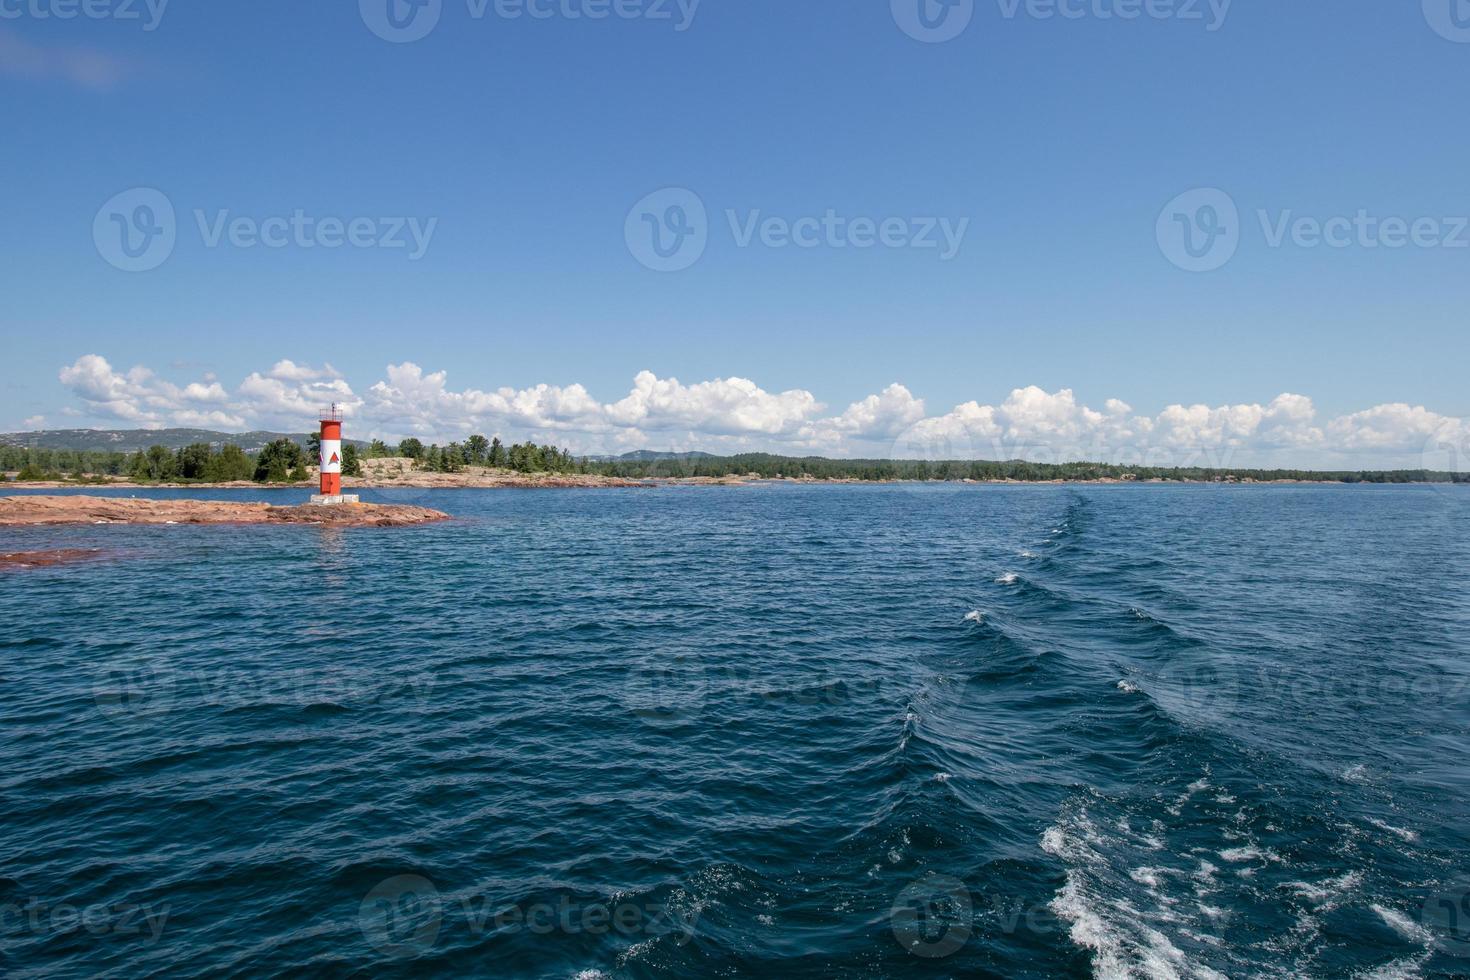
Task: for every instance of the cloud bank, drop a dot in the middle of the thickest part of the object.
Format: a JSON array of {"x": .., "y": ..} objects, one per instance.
[{"x": 737, "y": 415}]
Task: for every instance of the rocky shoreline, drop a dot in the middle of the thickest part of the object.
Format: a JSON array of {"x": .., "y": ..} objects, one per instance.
[{"x": 82, "y": 509}]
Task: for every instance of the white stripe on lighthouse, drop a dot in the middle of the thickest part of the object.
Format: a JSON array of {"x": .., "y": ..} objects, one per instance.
[{"x": 331, "y": 456}]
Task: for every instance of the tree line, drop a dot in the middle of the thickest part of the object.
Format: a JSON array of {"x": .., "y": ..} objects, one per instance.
[
  {"x": 281, "y": 461},
  {"x": 285, "y": 461},
  {"x": 769, "y": 466},
  {"x": 477, "y": 450}
]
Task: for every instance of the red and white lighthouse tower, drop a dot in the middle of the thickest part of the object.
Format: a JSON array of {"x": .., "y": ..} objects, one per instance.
[{"x": 331, "y": 459}]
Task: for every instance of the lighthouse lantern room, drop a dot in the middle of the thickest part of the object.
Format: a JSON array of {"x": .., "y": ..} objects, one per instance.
[{"x": 331, "y": 460}]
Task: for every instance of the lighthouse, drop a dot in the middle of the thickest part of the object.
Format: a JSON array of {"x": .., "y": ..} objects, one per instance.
[{"x": 331, "y": 460}]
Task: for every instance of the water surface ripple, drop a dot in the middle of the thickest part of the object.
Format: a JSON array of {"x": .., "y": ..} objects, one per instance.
[{"x": 783, "y": 731}]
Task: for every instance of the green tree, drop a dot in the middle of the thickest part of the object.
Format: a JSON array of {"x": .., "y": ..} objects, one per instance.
[
  {"x": 476, "y": 449},
  {"x": 299, "y": 474},
  {"x": 229, "y": 464},
  {"x": 412, "y": 448},
  {"x": 377, "y": 449},
  {"x": 154, "y": 465},
  {"x": 496, "y": 456},
  {"x": 193, "y": 461},
  {"x": 275, "y": 461},
  {"x": 351, "y": 460},
  {"x": 452, "y": 459}
]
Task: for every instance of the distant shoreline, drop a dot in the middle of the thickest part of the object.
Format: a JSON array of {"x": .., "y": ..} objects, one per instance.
[{"x": 593, "y": 482}]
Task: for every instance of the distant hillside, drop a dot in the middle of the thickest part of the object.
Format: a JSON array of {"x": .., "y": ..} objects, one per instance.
[
  {"x": 133, "y": 440},
  {"x": 649, "y": 456}
]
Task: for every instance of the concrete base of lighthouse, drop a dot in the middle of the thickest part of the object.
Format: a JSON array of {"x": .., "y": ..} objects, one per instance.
[{"x": 335, "y": 499}]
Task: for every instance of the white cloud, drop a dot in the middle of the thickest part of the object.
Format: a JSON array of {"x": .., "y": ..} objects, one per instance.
[
  {"x": 83, "y": 67},
  {"x": 736, "y": 414},
  {"x": 1395, "y": 428}
]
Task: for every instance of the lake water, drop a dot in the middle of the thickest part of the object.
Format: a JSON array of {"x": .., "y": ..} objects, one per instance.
[{"x": 778, "y": 730}]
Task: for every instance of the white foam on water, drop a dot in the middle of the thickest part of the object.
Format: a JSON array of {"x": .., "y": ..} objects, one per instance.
[
  {"x": 1329, "y": 894},
  {"x": 1122, "y": 948},
  {"x": 1403, "y": 925},
  {"x": 974, "y": 616},
  {"x": 1028, "y": 554},
  {"x": 1127, "y": 687},
  {"x": 943, "y": 777},
  {"x": 1408, "y": 968},
  {"x": 1126, "y": 941},
  {"x": 1235, "y": 855},
  {"x": 1356, "y": 774},
  {"x": 1009, "y": 578},
  {"x": 1148, "y": 877},
  {"x": 1399, "y": 832}
]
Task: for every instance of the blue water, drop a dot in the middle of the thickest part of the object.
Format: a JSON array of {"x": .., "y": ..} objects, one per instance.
[{"x": 775, "y": 731}]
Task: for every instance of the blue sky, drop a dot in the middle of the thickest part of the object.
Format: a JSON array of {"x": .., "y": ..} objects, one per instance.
[{"x": 526, "y": 142}]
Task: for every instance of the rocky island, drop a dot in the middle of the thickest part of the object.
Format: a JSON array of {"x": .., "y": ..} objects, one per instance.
[{"x": 33, "y": 510}]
